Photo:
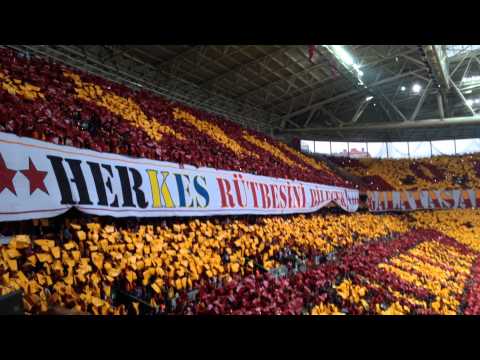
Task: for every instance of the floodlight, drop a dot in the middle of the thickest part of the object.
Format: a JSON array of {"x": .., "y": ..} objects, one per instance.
[
  {"x": 416, "y": 88},
  {"x": 343, "y": 54}
]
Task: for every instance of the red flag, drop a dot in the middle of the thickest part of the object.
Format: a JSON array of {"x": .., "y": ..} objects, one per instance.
[{"x": 311, "y": 52}]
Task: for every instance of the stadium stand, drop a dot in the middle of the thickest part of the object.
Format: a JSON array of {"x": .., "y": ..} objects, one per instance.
[
  {"x": 51, "y": 102},
  {"x": 438, "y": 172},
  {"x": 328, "y": 262}
]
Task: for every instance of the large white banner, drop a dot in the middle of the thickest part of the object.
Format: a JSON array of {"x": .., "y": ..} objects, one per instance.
[
  {"x": 379, "y": 201},
  {"x": 40, "y": 180}
]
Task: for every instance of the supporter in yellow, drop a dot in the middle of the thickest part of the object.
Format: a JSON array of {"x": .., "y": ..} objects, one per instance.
[
  {"x": 394, "y": 309},
  {"x": 353, "y": 293},
  {"x": 326, "y": 309}
]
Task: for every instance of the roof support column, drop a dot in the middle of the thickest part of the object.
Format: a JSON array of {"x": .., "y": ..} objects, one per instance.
[
  {"x": 440, "y": 106},
  {"x": 421, "y": 101},
  {"x": 467, "y": 105},
  {"x": 437, "y": 58}
]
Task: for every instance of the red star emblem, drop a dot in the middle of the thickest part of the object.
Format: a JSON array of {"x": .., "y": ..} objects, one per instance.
[
  {"x": 6, "y": 177},
  {"x": 35, "y": 177}
]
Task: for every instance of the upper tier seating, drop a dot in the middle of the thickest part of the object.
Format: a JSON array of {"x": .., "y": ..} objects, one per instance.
[
  {"x": 52, "y": 102},
  {"x": 439, "y": 172}
]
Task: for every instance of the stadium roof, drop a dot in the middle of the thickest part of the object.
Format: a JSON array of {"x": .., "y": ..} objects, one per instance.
[{"x": 319, "y": 92}]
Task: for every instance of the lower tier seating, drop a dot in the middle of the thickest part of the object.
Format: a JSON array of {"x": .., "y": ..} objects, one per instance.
[{"x": 329, "y": 262}]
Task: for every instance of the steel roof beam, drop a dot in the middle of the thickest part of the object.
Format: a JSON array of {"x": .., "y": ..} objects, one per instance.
[
  {"x": 325, "y": 89},
  {"x": 292, "y": 84},
  {"x": 430, "y": 123},
  {"x": 291, "y": 77},
  {"x": 350, "y": 93},
  {"x": 421, "y": 101},
  {"x": 311, "y": 73},
  {"x": 459, "y": 93},
  {"x": 415, "y": 61},
  {"x": 440, "y": 106},
  {"x": 359, "y": 111},
  {"x": 300, "y": 73},
  {"x": 325, "y": 84},
  {"x": 240, "y": 67},
  {"x": 169, "y": 72},
  {"x": 310, "y": 117},
  {"x": 181, "y": 56},
  {"x": 462, "y": 56},
  {"x": 209, "y": 99},
  {"x": 331, "y": 115},
  {"x": 433, "y": 110},
  {"x": 437, "y": 58},
  {"x": 262, "y": 64},
  {"x": 294, "y": 60}
]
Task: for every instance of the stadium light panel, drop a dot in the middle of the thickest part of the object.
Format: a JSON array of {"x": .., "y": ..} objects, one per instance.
[
  {"x": 416, "y": 88},
  {"x": 454, "y": 50},
  {"x": 343, "y": 55},
  {"x": 471, "y": 79},
  {"x": 468, "y": 84},
  {"x": 347, "y": 60}
]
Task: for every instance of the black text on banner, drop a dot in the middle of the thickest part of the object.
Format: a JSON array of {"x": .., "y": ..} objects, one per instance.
[{"x": 40, "y": 180}]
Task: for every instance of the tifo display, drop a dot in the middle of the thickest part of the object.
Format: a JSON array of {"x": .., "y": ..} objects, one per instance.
[
  {"x": 75, "y": 147},
  {"x": 321, "y": 264},
  {"x": 51, "y": 102},
  {"x": 437, "y": 173}
]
